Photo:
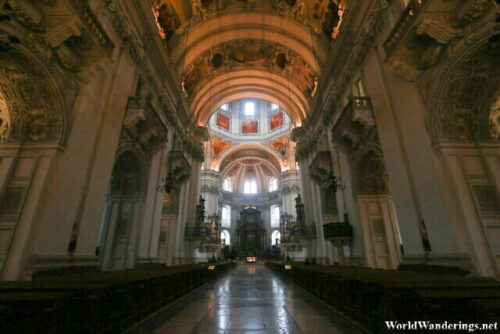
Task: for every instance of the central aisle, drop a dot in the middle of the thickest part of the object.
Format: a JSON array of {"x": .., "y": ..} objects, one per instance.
[{"x": 249, "y": 299}]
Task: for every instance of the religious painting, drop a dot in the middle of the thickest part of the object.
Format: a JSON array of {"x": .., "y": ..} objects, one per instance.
[
  {"x": 170, "y": 203},
  {"x": 223, "y": 121},
  {"x": 276, "y": 121},
  {"x": 218, "y": 146},
  {"x": 249, "y": 127},
  {"x": 280, "y": 145}
]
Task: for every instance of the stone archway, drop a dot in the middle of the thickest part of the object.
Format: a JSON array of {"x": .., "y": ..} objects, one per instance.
[
  {"x": 463, "y": 126},
  {"x": 466, "y": 96},
  {"x": 37, "y": 99},
  {"x": 4, "y": 119},
  {"x": 122, "y": 213}
]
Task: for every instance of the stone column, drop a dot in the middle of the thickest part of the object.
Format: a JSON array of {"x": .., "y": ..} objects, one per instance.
[
  {"x": 343, "y": 170},
  {"x": 151, "y": 222},
  {"x": 80, "y": 178},
  {"x": 289, "y": 183},
  {"x": 411, "y": 164},
  {"x": 210, "y": 184},
  {"x": 30, "y": 173},
  {"x": 476, "y": 234}
]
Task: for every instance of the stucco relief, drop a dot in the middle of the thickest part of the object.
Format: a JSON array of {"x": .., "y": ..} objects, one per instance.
[
  {"x": 370, "y": 175},
  {"x": 167, "y": 20},
  {"x": 495, "y": 118},
  {"x": 469, "y": 101},
  {"x": 34, "y": 114},
  {"x": 4, "y": 120},
  {"x": 251, "y": 54},
  {"x": 320, "y": 17}
]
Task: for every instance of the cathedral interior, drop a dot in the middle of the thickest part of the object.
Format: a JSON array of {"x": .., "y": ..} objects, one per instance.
[{"x": 249, "y": 166}]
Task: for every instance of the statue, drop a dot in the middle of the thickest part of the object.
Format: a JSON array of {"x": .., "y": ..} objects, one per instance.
[
  {"x": 425, "y": 237},
  {"x": 299, "y": 207},
  {"x": 198, "y": 9},
  {"x": 298, "y": 9},
  {"x": 495, "y": 118},
  {"x": 200, "y": 214},
  {"x": 166, "y": 20}
]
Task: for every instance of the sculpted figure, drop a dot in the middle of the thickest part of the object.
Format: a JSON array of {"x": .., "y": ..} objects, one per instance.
[
  {"x": 495, "y": 118},
  {"x": 298, "y": 9},
  {"x": 198, "y": 10}
]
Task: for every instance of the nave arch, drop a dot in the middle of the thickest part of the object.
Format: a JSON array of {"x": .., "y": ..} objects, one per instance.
[{"x": 123, "y": 211}]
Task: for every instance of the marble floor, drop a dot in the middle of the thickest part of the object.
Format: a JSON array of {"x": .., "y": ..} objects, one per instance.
[{"x": 248, "y": 299}]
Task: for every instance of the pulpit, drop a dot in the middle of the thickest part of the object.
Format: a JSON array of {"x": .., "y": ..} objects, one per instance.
[{"x": 251, "y": 233}]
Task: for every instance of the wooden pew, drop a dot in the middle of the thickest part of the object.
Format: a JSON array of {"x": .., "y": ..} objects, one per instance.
[
  {"x": 374, "y": 295},
  {"x": 92, "y": 302}
]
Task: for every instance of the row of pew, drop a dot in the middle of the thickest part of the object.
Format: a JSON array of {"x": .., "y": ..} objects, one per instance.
[
  {"x": 373, "y": 296},
  {"x": 96, "y": 302}
]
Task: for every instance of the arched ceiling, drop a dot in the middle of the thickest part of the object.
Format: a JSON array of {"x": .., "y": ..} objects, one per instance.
[
  {"x": 249, "y": 84},
  {"x": 224, "y": 50},
  {"x": 243, "y": 154}
]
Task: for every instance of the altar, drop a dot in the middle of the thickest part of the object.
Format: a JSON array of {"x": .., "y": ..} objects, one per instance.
[{"x": 250, "y": 233}]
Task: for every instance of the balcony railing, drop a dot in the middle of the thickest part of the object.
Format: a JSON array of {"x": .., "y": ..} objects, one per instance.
[
  {"x": 338, "y": 231},
  {"x": 92, "y": 25},
  {"x": 354, "y": 123}
]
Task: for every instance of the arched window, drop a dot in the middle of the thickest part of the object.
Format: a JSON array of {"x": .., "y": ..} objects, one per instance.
[
  {"x": 250, "y": 186},
  {"x": 275, "y": 216},
  {"x": 276, "y": 238},
  {"x": 227, "y": 185},
  {"x": 225, "y": 220},
  {"x": 225, "y": 238},
  {"x": 273, "y": 184}
]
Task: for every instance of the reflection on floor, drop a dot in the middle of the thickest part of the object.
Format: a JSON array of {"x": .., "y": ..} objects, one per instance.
[{"x": 249, "y": 299}]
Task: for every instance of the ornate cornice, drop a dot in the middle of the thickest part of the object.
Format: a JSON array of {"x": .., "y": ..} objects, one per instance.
[
  {"x": 350, "y": 51},
  {"x": 426, "y": 28},
  {"x": 150, "y": 58}
]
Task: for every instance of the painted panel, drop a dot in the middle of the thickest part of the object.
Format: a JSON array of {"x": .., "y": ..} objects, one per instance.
[
  {"x": 249, "y": 127},
  {"x": 223, "y": 121},
  {"x": 219, "y": 146},
  {"x": 276, "y": 121}
]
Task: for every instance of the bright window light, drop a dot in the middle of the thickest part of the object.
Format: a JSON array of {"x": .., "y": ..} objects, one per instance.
[
  {"x": 274, "y": 106},
  {"x": 250, "y": 186},
  {"x": 226, "y": 216},
  {"x": 225, "y": 238},
  {"x": 275, "y": 216},
  {"x": 273, "y": 184},
  {"x": 227, "y": 185},
  {"x": 224, "y": 107},
  {"x": 276, "y": 238},
  {"x": 249, "y": 108}
]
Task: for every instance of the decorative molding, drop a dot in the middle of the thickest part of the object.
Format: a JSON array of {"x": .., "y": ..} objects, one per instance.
[
  {"x": 425, "y": 30},
  {"x": 249, "y": 53},
  {"x": 354, "y": 125},
  {"x": 350, "y": 51},
  {"x": 152, "y": 62},
  {"x": 38, "y": 97},
  {"x": 460, "y": 94}
]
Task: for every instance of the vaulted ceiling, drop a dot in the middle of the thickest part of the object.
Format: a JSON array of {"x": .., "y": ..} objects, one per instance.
[{"x": 223, "y": 50}]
